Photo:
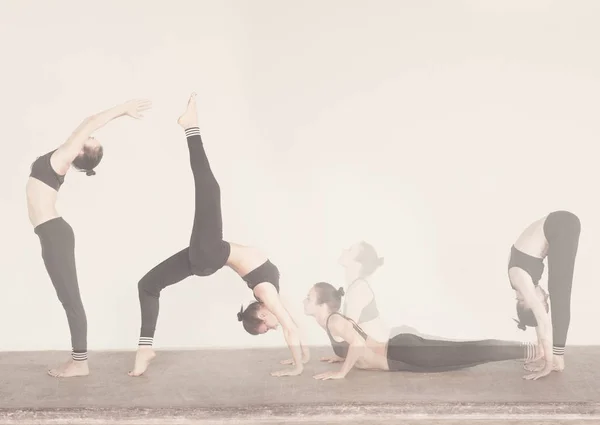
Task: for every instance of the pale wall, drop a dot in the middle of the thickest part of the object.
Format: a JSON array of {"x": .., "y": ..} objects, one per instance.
[{"x": 435, "y": 130}]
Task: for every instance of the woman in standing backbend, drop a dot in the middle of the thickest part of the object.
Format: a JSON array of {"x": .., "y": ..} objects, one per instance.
[
  {"x": 208, "y": 253},
  {"x": 56, "y": 236},
  {"x": 555, "y": 236}
]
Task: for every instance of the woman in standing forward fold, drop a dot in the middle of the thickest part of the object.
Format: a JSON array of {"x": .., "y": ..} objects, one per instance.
[
  {"x": 208, "y": 253},
  {"x": 555, "y": 236},
  {"x": 56, "y": 235}
]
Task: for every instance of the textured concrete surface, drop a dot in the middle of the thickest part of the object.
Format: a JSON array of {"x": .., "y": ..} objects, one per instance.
[{"x": 223, "y": 386}]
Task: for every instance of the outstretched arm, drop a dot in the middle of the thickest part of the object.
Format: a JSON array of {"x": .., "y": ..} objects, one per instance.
[
  {"x": 342, "y": 328},
  {"x": 301, "y": 335},
  {"x": 69, "y": 150},
  {"x": 270, "y": 298}
]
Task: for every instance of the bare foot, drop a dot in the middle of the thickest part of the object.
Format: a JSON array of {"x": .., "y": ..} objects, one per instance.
[
  {"x": 190, "y": 116},
  {"x": 70, "y": 369},
  {"x": 142, "y": 359}
]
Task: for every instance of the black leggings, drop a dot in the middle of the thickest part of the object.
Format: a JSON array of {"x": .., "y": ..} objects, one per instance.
[
  {"x": 58, "y": 251},
  {"x": 562, "y": 230},
  {"x": 408, "y": 352},
  {"x": 207, "y": 252}
]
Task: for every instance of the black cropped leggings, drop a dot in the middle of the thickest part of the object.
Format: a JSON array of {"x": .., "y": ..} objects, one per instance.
[
  {"x": 408, "y": 352},
  {"x": 562, "y": 230},
  {"x": 207, "y": 251},
  {"x": 58, "y": 252}
]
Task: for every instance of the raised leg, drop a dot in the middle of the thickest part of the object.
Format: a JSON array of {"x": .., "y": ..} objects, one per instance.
[{"x": 208, "y": 252}]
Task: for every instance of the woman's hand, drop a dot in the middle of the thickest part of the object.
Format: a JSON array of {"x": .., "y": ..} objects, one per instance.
[
  {"x": 534, "y": 366},
  {"x": 330, "y": 375},
  {"x": 134, "y": 108},
  {"x": 289, "y": 362},
  {"x": 558, "y": 364},
  {"x": 334, "y": 359},
  {"x": 543, "y": 371}
]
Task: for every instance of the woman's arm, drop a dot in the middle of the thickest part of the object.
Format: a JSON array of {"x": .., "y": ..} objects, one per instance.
[
  {"x": 334, "y": 359},
  {"x": 301, "y": 335},
  {"x": 69, "y": 150},
  {"x": 341, "y": 327},
  {"x": 270, "y": 298},
  {"x": 523, "y": 283}
]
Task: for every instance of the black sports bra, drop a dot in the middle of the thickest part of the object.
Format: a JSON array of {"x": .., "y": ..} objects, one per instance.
[
  {"x": 370, "y": 311},
  {"x": 531, "y": 265},
  {"x": 42, "y": 170},
  {"x": 266, "y": 272},
  {"x": 340, "y": 348}
]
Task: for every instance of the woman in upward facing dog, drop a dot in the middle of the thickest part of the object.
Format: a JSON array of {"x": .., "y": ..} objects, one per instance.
[
  {"x": 84, "y": 153},
  {"x": 360, "y": 262},
  {"x": 206, "y": 254},
  {"x": 555, "y": 236},
  {"x": 405, "y": 351}
]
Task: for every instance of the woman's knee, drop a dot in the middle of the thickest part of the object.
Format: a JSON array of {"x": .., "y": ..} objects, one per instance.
[{"x": 149, "y": 286}]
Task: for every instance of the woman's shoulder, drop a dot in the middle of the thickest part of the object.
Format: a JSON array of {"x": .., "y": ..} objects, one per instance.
[{"x": 358, "y": 286}]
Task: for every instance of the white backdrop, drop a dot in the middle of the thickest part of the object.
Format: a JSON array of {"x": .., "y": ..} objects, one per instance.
[{"x": 437, "y": 131}]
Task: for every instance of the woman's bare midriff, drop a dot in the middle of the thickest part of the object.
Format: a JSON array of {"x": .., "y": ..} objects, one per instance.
[
  {"x": 374, "y": 357},
  {"x": 244, "y": 259},
  {"x": 41, "y": 202},
  {"x": 533, "y": 240}
]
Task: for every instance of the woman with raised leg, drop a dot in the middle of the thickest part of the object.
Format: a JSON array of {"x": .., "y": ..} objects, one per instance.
[{"x": 206, "y": 254}]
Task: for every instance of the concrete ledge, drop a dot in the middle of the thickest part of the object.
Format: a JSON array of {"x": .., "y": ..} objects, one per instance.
[
  {"x": 235, "y": 386},
  {"x": 334, "y": 413}
]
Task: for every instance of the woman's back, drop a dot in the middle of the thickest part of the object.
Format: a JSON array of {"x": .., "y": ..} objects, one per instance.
[
  {"x": 360, "y": 305},
  {"x": 42, "y": 190}
]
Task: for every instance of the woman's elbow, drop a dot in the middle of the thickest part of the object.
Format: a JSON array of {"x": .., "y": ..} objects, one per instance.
[
  {"x": 357, "y": 345},
  {"x": 544, "y": 324},
  {"x": 291, "y": 328},
  {"x": 548, "y": 326},
  {"x": 291, "y": 331},
  {"x": 90, "y": 121},
  {"x": 86, "y": 126}
]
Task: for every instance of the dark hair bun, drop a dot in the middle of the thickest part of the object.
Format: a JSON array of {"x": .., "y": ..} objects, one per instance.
[
  {"x": 90, "y": 173},
  {"x": 520, "y": 325},
  {"x": 240, "y": 315},
  {"x": 341, "y": 291}
]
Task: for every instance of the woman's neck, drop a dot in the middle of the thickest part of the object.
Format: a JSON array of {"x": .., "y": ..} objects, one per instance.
[
  {"x": 352, "y": 274},
  {"x": 321, "y": 316}
]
